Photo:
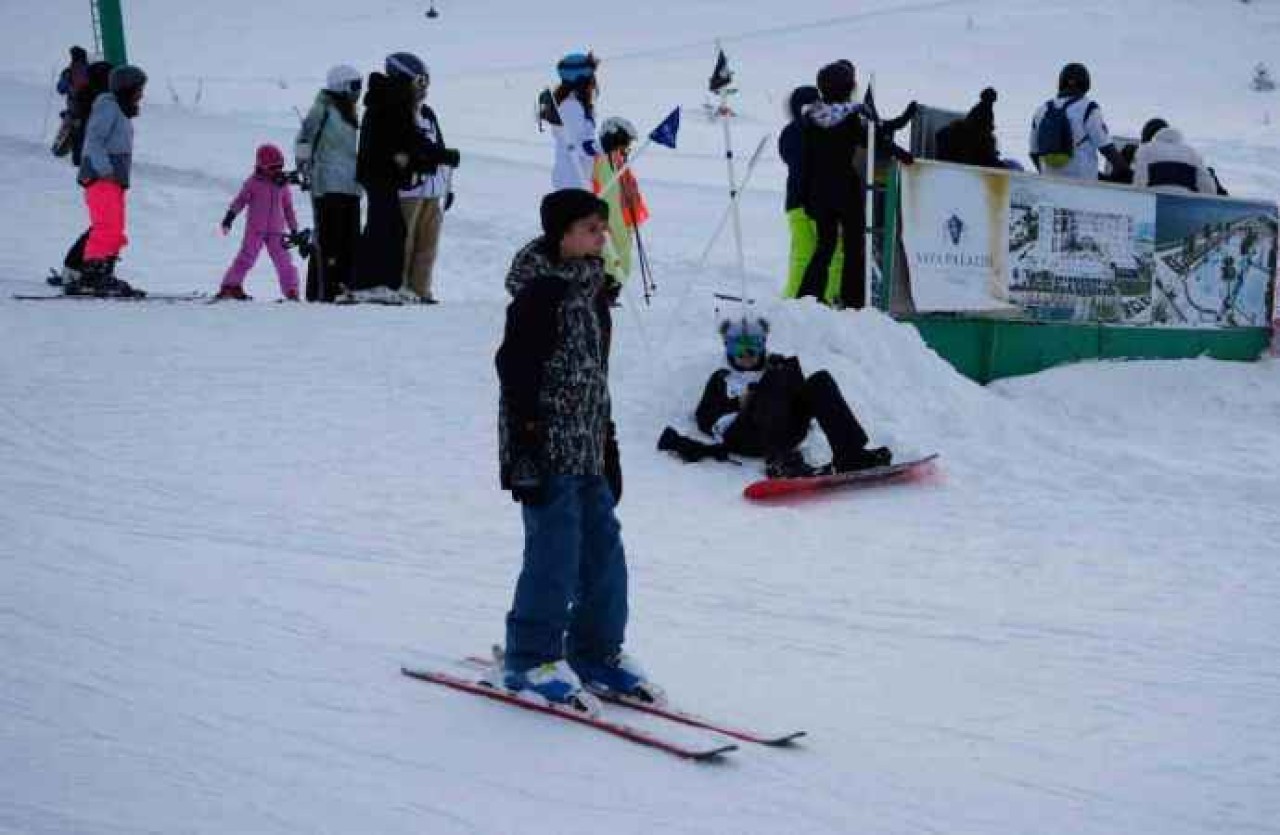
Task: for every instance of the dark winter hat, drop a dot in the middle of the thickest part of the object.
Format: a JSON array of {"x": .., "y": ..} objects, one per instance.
[
  {"x": 801, "y": 97},
  {"x": 577, "y": 68},
  {"x": 1151, "y": 128},
  {"x": 983, "y": 113},
  {"x": 561, "y": 209},
  {"x": 405, "y": 65},
  {"x": 269, "y": 157},
  {"x": 836, "y": 81},
  {"x": 1074, "y": 78},
  {"x": 617, "y": 133},
  {"x": 127, "y": 78},
  {"x": 78, "y": 54}
]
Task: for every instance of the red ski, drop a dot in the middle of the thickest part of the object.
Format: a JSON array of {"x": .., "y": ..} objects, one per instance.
[
  {"x": 619, "y": 729},
  {"x": 776, "y": 488},
  {"x": 676, "y": 715}
]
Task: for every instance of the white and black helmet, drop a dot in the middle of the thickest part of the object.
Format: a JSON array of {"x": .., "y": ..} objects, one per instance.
[
  {"x": 616, "y": 132},
  {"x": 344, "y": 79}
]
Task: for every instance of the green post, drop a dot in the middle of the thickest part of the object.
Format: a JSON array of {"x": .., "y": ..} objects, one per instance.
[
  {"x": 889, "y": 240},
  {"x": 111, "y": 20}
]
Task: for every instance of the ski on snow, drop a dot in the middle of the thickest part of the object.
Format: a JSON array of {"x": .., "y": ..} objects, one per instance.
[
  {"x": 708, "y": 753},
  {"x": 149, "y": 297},
  {"x": 675, "y": 714}
]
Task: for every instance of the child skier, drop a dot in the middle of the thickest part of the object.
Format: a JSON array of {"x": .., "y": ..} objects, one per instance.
[
  {"x": 266, "y": 194},
  {"x": 627, "y": 209},
  {"x": 762, "y": 404},
  {"x": 559, "y": 458},
  {"x": 573, "y": 121},
  {"x": 105, "y": 171}
]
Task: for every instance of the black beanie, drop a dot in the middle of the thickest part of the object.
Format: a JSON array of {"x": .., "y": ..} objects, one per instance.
[
  {"x": 561, "y": 209},
  {"x": 836, "y": 81},
  {"x": 1151, "y": 128}
]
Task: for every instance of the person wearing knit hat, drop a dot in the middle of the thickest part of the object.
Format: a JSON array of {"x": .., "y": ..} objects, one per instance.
[
  {"x": 558, "y": 456},
  {"x": 270, "y": 211},
  {"x": 972, "y": 140}
]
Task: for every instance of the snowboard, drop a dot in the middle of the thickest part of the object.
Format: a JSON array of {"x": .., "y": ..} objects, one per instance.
[{"x": 777, "y": 488}]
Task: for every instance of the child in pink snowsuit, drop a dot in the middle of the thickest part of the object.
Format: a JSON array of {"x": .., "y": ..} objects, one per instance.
[{"x": 266, "y": 194}]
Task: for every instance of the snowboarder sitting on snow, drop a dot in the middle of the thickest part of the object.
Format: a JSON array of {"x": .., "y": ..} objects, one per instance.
[
  {"x": 559, "y": 458},
  {"x": 763, "y": 404},
  {"x": 266, "y": 194}
]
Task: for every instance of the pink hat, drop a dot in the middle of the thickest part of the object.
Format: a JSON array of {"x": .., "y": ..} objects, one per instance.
[{"x": 268, "y": 157}]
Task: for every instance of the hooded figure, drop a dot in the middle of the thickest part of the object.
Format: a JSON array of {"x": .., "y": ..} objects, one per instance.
[
  {"x": 972, "y": 140},
  {"x": 1165, "y": 162}
]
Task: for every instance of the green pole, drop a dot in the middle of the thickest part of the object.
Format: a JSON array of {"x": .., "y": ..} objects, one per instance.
[{"x": 111, "y": 20}]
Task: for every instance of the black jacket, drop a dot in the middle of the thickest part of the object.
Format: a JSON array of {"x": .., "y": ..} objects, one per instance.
[
  {"x": 389, "y": 129},
  {"x": 791, "y": 149},
  {"x": 829, "y": 178}
]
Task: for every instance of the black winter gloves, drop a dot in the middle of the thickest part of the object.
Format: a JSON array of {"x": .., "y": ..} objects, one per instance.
[{"x": 227, "y": 220}]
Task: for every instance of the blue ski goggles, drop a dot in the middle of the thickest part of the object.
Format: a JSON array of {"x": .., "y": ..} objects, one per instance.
[{"x": 744, "y": 346}]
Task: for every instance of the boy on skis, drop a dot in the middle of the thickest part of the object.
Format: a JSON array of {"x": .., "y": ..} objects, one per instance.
[
  {"x": 763, "y": 404},
  {"x": 559, "y": 458}
]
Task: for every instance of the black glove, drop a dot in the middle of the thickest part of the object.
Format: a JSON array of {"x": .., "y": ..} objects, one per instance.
[
  {"x": 448, "y": 201},
  {"x": 528, "y": 483},
  {"x": 613, "y": 463},
  {"x": 690, "y": 450},
  {"x": 450, "y": 157},
  {"x": 227, "y": 220}
]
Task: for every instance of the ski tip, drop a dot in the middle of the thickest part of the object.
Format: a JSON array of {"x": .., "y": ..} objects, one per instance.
[
  {"x": 712, "y": 755},
  {"x": 784, "y": 741}
]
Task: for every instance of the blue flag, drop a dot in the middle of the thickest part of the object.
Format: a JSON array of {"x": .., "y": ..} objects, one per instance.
[{"x": 665, "y": 133}]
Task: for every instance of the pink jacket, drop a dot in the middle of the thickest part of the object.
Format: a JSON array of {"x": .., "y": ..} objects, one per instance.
[{"x": 270, "y": 206}]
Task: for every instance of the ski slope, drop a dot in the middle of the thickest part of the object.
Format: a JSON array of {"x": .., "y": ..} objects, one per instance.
[{"x": 223, "y": 528}]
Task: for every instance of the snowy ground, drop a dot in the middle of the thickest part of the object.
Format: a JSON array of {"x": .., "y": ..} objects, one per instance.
[{"x": 223, "y": 528}]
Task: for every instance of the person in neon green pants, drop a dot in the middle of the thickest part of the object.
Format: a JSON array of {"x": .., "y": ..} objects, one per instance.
[{"x": 804, "y": 232}]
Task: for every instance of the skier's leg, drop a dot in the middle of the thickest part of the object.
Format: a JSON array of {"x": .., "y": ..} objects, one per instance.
[
  {"x": 409, "y": 210},
  {"x": 315, "y": 264},
  {"x": 815, "y": 274},
  {"x": 105, "y": 201},
  {"x": 250, "y": 247},
  {"x": 804, "y": 238},
  {"x": 286, "y": 273},
  {"x": 777, "y": 407},
  {"x": 548, "y": 580},
  {"x": 598, "y": 626},
  {"x": 430, "y": 223},
  {"x": 826, "y": 403},
  {"x": 853, "y": 287}
]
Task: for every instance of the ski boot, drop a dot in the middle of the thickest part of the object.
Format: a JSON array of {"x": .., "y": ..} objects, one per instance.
[
  {"x": 789, "y": 464},
  {"x": 555, "y": 683},
  {"x": 618, "y": 674},
  {"x": 98, "y": 279},
  {"x": 233, "y": 293},
  {"x": 862, "y": 459}
]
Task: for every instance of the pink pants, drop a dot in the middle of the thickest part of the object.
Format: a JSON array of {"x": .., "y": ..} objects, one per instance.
[
  {"x": 250, "y": 248},
  {"x": 105, "y": 200}
]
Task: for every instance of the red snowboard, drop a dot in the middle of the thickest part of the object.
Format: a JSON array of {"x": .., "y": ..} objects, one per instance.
[{"x": 776, "y": 488}]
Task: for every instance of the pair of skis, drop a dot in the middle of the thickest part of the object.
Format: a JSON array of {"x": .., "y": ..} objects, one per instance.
[{"x": 642, "y": 736}]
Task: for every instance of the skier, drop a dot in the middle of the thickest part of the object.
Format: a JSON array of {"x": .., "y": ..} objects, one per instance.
[
  {"x": 559, "y": 458},
  {"x": 99, "y": 82},
  {"x": 266, "y": 195},
  {"x": 1165, "y": 162},
  {"x": 762, "y": 404},
  {"x": 104, "y": 173},
  {"x": 627, "y": 208},
  {"x": 1068, "y": 132},
  {"x": 424, "y": 205},
  {"x": 573, "y": 121},
  {"x": 392, "y": 153},
  {"x": 326, "y": 153},
  {"x": 804, "y": 232}
]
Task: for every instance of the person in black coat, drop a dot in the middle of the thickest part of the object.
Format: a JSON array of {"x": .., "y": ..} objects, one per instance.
[
  {"x": 972, "y": 140},
  {"x": 392, "y": 153}
]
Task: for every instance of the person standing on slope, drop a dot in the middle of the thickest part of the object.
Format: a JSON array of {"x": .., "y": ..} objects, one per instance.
[
  {"x": 424, "y": 204},
  {"x": 105, "y": 171},
  {"x": 573, "y": 121},
  {"x": 558, "y": 456},
  {"x": 804, "y": 232},
  {"x": 627, "y": 208},
  {"x": 266, "y": 195},
  {"x": 326, "y": 152}
]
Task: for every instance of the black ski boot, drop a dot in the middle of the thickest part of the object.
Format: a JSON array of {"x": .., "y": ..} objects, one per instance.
[
  {"x": 98, "y": 279},
  {"x": 789, "y": 464},
  {"x": 862, "y": 459}
]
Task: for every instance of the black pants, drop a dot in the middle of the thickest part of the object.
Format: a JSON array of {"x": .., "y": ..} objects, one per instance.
[
  {"x": 845, "y": 224},
  {"x": 783, "y": 405},
  {"x": 331, "y": 266},
  {"x": 381, "y": 259},
  {"x": 74, "y": 259}
]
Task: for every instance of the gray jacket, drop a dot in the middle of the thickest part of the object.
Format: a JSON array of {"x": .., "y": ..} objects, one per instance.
[
  {"x": 328, "y": 143},
  {"x": 553, "y": 366},
  {"x": 108, "y": 143}
]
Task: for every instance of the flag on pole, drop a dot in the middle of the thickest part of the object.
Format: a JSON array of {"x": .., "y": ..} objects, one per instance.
[
  {"x": 665, "y": 133},
  {"x": 721, "y": 76}
]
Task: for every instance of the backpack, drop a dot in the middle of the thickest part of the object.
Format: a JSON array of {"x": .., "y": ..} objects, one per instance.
[{"x": 1055, "y": 141}]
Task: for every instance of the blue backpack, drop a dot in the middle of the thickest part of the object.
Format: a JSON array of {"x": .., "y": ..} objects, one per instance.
[{"x": 1055, "y": 141}]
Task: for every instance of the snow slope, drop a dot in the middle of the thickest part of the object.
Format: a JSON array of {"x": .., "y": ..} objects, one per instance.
[{"x": 223, "y": 528}]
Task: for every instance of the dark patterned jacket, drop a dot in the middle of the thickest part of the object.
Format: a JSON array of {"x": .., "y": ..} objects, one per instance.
[{"x": 553, "y": 364}]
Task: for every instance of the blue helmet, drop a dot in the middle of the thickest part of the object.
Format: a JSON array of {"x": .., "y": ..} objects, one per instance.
[
  {"x": 745, "y": 341},
  {"x": 577, "y": 68}
]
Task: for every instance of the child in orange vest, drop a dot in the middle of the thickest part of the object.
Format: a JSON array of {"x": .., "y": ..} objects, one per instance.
[{"x": 627, "y": 209}]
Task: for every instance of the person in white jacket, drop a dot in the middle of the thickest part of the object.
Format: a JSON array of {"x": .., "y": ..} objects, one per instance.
[
  {"x": 1165, "y": 162},
  {"x": 573, "y": 124}
]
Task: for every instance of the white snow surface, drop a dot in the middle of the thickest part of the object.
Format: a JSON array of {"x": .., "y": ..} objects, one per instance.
[{"x": 224, "y": 528}]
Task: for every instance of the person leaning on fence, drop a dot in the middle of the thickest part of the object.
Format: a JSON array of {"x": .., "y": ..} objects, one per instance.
[
  {"x": 804, "y": 232},
  {"x": 1165, "y": 162},
  {"x": 972, "y": 140},
  {"x": 1068, "y": 131}
]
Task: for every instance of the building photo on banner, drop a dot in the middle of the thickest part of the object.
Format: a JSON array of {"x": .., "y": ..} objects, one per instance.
[{"x": 1047, "y": 249}]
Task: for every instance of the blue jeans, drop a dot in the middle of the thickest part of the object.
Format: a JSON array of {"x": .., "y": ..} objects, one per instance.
[{"x": 571, "y": 598}]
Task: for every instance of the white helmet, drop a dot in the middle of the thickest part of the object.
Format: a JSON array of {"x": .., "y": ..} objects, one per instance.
[
  {"x": 616, "y": 132},
  {"x": 344, "y": 79}
]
